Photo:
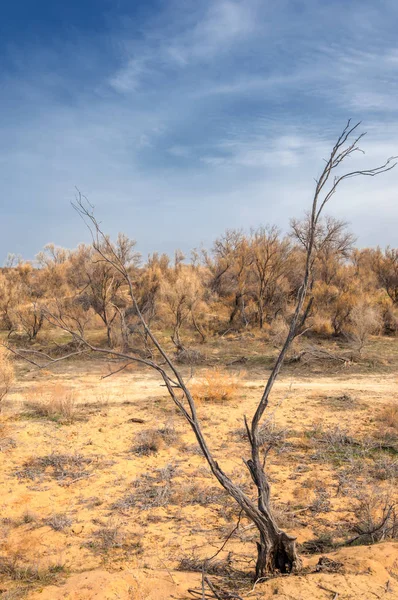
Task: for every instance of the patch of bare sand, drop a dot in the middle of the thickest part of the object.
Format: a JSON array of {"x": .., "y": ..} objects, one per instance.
[
  {"x": 189, "y": 523},
  {"x": 368, "y": 572}
]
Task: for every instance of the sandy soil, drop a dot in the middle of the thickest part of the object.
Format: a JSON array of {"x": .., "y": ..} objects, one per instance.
[{"x": 114, "y": 522}]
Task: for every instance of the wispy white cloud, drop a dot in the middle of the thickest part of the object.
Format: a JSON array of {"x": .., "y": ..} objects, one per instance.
[{"x": 217, "y": 114}]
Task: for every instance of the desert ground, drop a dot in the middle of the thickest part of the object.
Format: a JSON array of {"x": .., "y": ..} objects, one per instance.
[{"x": 105, "y": 495}]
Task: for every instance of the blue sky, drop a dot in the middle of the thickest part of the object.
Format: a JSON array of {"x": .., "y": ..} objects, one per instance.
[{"x": 179, "y": 119}]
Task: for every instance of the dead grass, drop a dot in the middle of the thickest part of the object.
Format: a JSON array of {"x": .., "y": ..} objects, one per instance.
[
  {"x": 376, "y": 517},
  {"x": 150, "y": 441},
  {"x": 62, "y": 467},
  {"x": 59, "y": 521},
  {"x": 216, "y": 385},
  {"x": 389, "y": 417},
  {"x": 57, "y": 405},
  {"x": 111, "y": 537},
  {"x": 158, "y": 490},
  {"x": 14, "y": 568}
]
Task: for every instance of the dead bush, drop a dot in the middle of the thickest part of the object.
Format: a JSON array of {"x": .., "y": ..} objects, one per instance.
[
  {"x": 6, "y": 374},
  {"x": 365, "y": 320},
  {"x": 278, "y": 331},
  {"x": 322, "y": 326},
  {"x": 337, "y": 445},
  {"x": 221, "y": 567},
  {"x": 150, "y": 441},
  {"x": 56, "y": 466},
  {"x": 271, "y": 435},
  {"x": 158, "y": 490},
  {"x": 15, "y": 568},
  {"x": 106, "y": 538},
  {"x": 322, "y": 542},
  {"x": 216, "y": 385},
  {"x": 385, "y": 468},
  {"x": 59, "y": 405},
  {"x": 376, "y": 518},
  {"x": 59, "y": 521},
  {"x": 389, "y": 416}
]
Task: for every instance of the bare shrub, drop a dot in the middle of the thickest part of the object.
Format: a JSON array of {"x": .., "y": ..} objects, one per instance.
[
  {"x": 57, "y": 405},
  {"x": 271, "y": 435},
  {"x": 154, "y": 491},
  {"x": 385, "y": 468},
  {"x": 59, "y": 521},
  {"x": 216, "y": 385},
  {"x": 387, "y": 433},
  {"x": 58, "y": 466},
  {"x": 150, "y": 441},
  {"x": 341, "y": 402},
  {"x": 6, "y": 374},
  {"x": 321, "y": 326},
  {"x": 106, "y": 538},
  {"x": 389, "y": 416},
  {"x": 278, "y": 331},
  {"x": 29, "y": 517},
  {"x": 321, "y": 502},
  {"x": 221, "y": 567},
  {"x": 365, "y": 321},
  {"x": 337, "y": 445},
  {"x": 376, "y": 518},
  {"x": 16, "y": 569},
  {"x": 322, "y": 542}
]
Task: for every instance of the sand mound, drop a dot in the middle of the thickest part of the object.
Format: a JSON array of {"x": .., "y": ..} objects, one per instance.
[{"x": 367, "y": 572}]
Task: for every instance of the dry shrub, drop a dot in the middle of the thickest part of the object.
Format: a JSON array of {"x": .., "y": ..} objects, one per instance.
[
  {"x": 110, "y": 536},
  {"x": 150, "y": 441},
  {"x": 58, "y": 466},
  {"x": 59, "y": 521},
  {"x": 14, "y": 567},
  {"x": 389, "y": 417},
  {"x": 322, "y": 326},
  {"x": 278, "y": 331},
  {"x": 6, "y": 374},
  {"x": 59, "y": 404},
  {"x": 220, "y": 567},
  {"x": 216, "y": 385},
  {"x": 365, "y": 320},
  {"x": 271, "y": 435},
  {"x": 376, "y": 517},
  {"x": 385, "y": 468},
  {"x": 386, "y": 436}
]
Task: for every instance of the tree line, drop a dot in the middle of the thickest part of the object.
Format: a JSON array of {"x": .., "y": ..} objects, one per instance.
[{"x": 247, "y": 280}]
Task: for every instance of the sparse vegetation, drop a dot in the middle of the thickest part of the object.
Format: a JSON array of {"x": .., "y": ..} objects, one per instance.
[
  {"x": 61, "y": 467},
  {"x": 216, "y": 385},
  {"x": 311, "y": 453},
  {"x": 59, "y": 405}
]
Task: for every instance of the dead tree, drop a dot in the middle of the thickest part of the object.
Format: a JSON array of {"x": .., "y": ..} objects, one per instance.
[{"x": 276, "y": 549}]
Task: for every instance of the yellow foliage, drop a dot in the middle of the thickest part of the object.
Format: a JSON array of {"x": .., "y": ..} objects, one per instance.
[
  {"x": 216, "y": 385},
  {"x": 322, "y": 326},
  {"x": 58, "y": 404}
]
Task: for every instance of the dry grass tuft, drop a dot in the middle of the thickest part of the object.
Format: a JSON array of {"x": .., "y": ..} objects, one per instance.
[
  {"x": 57, "y": 405},
  {"x": 389, "y": 416},
  {"x": 110, "y": 537},
  {"x": 216, "y": 385},
  {"x": 57, "y": 466},
  {"x": 13, "y": 567},
  {"x": 59, "y": 522},
  {"x": 150, "y": 441}
]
